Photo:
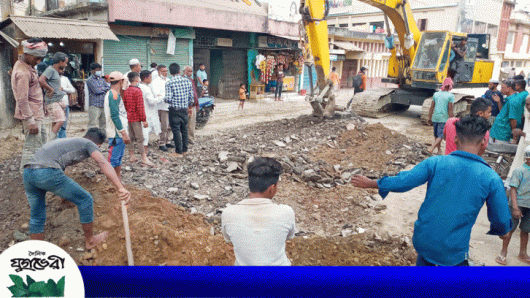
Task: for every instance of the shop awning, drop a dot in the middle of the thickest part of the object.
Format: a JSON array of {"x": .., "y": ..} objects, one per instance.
[
  {"x": 60, "y": 28},
  {"x": 295, "y": 38},
  {"x": 10, "y": 40},
  {"x": 348, "y": 46}
]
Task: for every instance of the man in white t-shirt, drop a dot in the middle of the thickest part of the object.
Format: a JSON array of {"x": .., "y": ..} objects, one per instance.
[{"x": 258, "y": 227}]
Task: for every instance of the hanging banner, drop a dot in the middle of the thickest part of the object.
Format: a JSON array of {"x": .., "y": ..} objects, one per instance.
[
  {"x": 284, "y": 10},
  {"x": 171, "y": 43}
]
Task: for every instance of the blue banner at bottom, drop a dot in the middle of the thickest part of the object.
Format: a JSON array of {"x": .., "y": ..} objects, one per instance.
[{"x": 305, "y": 281}]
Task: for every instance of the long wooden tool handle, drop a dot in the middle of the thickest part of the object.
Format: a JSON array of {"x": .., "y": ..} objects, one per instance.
[{"x": 127, "y": 234}]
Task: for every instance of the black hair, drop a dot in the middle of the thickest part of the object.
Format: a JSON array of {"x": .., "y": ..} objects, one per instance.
[
  {"x": 153, "y": 65},
  {"x": 521, "y": 83},
  {"x": 205, "y": 80},
  {"x": 35, "y": 40},
  {"x": 59, "y": 57},
  {"x": 95, "y": 65},
  {"x": 509, "y": 83},
  {"x": 159, "y": 67},
  {"x": 451, "y": 73},
  {"x": 333, "y": 69},
  {"x": 144, "y": 74},
  {"x": 363, "y": 69},
  {"x": 518, "y": 77},
  {"x": 263, "y": 172},
  {"x": 96, "y": 135},
  {"x": 479, "y": 105},
  {"x": 132, "y": 75},
  {"x": 201, "y": 64},
  {"x": 242, "y": 85},
  {"x": 174, "y": 68},
  {"x": 471, "y": 129}
]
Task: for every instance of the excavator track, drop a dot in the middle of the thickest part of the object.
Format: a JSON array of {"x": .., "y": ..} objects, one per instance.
[
  {"x": 376, "y": 103},
  {"x": 460, "y": 107},
  {"x": 373, "y": 103}
]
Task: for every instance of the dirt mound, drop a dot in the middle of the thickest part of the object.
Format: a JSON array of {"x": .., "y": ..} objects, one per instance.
[{"x": 372, "y": 148}]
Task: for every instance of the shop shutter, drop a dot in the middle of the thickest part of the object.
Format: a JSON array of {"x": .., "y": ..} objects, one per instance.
[
  {"x": 159, "y": 56},
  {"x": 306, "y": 78},
  {"x": 235, "y": 72},
  {"x": 116, "y": 54}
]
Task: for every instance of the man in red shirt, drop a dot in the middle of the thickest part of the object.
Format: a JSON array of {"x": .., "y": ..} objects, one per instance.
[
  {"x": 134, "y": 105},
  {"x": 481, "y": 107}
]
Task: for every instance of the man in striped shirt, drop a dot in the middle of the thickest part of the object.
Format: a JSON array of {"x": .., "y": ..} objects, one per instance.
[{"x": 179, "y": 96}]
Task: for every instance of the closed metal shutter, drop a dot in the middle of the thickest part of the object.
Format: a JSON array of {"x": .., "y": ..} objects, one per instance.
[
  {"x": 116, "y": 54},
  {"x": 306, "y": 85},
  {"x": 235, "y": 73},
  {"x": 158, "y": 48}
]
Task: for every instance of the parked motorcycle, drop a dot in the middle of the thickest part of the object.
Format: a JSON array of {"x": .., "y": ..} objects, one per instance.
[{"x": 206, "y": 106}]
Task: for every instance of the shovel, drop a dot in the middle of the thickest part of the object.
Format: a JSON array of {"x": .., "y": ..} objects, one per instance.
[{"x": 127, "y": 234}]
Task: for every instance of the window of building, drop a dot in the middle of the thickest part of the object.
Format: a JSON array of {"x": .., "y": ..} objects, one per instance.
[
  {"x": 376, "y": 25},
  {"x": 510, "y": 38},
  {"x": 505, "y": 64},
  {"x": 481, "y": 27},
  {"x": 422, "y": 24},
  {"x": 493, "y": 30},
  {"x": 519, "y": 64},
  {"x": 343, "y": 25}
]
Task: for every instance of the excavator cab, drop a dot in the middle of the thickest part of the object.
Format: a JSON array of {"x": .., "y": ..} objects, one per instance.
[{"x": 435, "y": 57}]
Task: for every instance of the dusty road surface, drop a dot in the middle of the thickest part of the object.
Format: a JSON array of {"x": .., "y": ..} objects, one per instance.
[{"x": 175, "y": 215}]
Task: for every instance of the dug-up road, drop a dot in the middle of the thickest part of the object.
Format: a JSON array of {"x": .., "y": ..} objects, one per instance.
[{"x": 402, "y": 207}]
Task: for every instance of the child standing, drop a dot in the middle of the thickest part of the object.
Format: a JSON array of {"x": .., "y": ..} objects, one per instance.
[
  {"x": 258, "y": 227},
  {"x": 520, "y": 207},
  {"x": 242, "y": 96},
  {"x": 116, "y": 119},
  {"x": 204, "y": 91},
  {"x": 279, "y": 83},
  {"x": 481, "y": 107},
  {"x": 459, "y": 185},
  {"x": 134, "y": 104},
  {"x": 441, "y": 110}
]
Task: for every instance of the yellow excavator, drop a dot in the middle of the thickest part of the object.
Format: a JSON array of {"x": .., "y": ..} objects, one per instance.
[{"x": 418, "y": 65}]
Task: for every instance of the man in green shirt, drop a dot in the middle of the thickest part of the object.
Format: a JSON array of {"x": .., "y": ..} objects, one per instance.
[
  {"x": 510, "y": 114},
  {"x": 441, "y": 110}
]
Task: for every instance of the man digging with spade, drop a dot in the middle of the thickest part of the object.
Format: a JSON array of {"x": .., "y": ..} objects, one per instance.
[{"x": 45, "y": 172}]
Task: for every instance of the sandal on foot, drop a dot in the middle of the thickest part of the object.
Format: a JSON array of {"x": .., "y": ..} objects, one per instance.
[{"x": 501, "y": 260}]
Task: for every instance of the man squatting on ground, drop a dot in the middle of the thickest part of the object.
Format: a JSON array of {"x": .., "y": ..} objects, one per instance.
[
  {"x": 257, "y": 227},
  {"x": 45, "y": 172},
  {"x": 116, "y": 119},
  {"x": 50, "y": 81},
  {"x": 28, "y": 97},
  {"x": 458, "y": 185}
]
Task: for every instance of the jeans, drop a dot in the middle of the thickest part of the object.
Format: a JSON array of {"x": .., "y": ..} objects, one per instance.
[
  {"x": 62, "y": 131},
  {"x": 178, "y": 120},
  {"x": 420, "y": 261},
  {"x": 278, "y": 91},
  {"x": 38, "y": 182}
]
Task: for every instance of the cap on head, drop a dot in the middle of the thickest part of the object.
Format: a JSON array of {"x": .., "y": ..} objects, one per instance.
[
  {"x": 493, "y": 81},
  {"x": 116, "y": 76},
  {"x": 35, "y": 47},
  {"x": 134, "y": 62},
  {"x": 527, "y": 152}
]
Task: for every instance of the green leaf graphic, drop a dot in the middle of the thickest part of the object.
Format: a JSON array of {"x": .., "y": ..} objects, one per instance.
[
  {"x": 38, "y": 287},
  {"x": 29, "y": 280},
  {"x": 18, "y": 281},
  {"x": 18, "y": 292},
  {"x": 34, "y": 294},
  {"x": 60, "y": 287}
]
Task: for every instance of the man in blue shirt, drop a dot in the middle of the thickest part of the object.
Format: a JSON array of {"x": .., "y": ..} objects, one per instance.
[
  {"x": 180, "y": 98},
  {"x": 495, "y": 97},
  {"x": 510, "y": 115},
  {"x": 201, "y": 75},
  {"x": 458, "y": 185}
]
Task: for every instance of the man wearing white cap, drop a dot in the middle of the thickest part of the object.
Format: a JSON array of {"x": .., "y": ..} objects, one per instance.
[
  {"x": 520, "y": 207},
  {"x": 28, "y": 96},
  {"x": 495, "y": 97},
  {"x": 135, "y": 66}
]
